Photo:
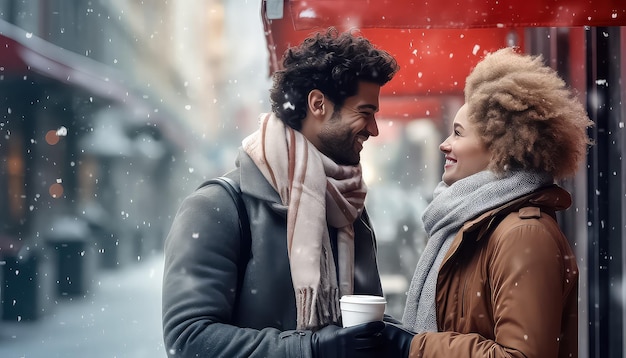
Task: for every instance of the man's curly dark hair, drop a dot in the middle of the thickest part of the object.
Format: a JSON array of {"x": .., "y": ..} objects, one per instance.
[{"x": 331, "y": 62}]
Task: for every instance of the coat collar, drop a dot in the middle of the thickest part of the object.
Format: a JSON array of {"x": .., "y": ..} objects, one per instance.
[
  {"x": 252, "y": 181},
  {"x": 550, "y": 198},
  {"x": 553, "y": 198}
]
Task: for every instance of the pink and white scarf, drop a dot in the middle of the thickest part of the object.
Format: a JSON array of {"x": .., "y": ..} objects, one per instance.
[{"x": 317, "y": 192}]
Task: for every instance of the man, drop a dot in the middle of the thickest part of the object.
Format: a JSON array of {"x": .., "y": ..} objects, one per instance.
[{"x": 311, "y": 240}]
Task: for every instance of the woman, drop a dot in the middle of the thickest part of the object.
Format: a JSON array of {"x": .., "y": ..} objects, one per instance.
[{"x": 498, "y": 277}]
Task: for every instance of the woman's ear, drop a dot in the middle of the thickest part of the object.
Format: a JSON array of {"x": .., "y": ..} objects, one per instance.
[{"x": 316, "y": 103}]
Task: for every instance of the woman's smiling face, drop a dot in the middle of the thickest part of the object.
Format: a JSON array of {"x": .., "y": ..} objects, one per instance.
[{"x": 465, "y": 152}]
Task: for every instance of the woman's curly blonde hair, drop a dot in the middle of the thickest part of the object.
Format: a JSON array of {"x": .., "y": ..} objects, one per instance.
[{"x": 526, "y": 115}]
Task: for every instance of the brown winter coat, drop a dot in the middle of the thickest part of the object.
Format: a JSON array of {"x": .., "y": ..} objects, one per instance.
[{"x": 508, "y": 287}]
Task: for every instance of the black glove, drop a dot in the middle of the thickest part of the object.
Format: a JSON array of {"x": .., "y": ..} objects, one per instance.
[
  {"x": 396, "y": 341},
  {"x": 360, "y": 341}
]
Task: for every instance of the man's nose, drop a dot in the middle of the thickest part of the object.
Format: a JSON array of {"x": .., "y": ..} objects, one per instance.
[{"x": 372, "y": 128}]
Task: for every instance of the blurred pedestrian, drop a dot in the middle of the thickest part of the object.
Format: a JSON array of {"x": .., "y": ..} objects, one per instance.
[
  {"x": 498, "y": 277},
  {"x": 311, "y": 239}
]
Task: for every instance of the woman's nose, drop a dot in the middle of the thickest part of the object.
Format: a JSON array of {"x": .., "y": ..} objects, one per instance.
[{"x": 444, "y": 146}]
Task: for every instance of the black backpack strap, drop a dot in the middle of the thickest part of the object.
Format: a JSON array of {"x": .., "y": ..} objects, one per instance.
[{"x": 233, "y": 189}]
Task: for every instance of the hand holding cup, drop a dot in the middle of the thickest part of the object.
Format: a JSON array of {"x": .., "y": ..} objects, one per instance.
[{"x": 359, "y": 309}]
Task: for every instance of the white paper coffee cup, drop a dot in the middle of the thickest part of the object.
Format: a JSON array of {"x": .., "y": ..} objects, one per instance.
[{"x": 358, "y": 309}]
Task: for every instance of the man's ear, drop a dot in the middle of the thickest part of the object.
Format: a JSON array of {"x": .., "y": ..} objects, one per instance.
[{"x": 316, "y": 103}]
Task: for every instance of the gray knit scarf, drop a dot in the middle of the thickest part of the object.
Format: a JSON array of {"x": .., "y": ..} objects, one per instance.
[{"x": 450, "y": 208}]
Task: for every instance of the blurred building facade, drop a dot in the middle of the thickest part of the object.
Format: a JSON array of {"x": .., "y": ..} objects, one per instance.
[{"x": 110, "y": 113}]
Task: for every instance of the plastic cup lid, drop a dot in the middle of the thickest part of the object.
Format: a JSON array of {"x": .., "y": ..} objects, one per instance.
[{"x": 363, "y": 299}]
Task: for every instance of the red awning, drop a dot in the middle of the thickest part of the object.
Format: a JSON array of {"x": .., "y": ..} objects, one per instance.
[
  {"x": 455, "y": 14},
  {"x": 421, "y": 54},
  {"x": 436, "y": 43}
]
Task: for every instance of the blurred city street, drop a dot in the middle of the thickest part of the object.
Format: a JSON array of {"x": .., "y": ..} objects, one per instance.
[
  {"x": 112, "y": 112},
  {"x": 120, "y": 317}
]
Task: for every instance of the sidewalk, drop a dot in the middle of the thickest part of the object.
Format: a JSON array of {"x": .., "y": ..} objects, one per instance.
[{"x": 120, "y": 318}]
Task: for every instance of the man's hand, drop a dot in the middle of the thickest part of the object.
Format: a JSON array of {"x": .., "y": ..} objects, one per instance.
[
  {"x": 361, "y": 341},
  {"x": 396, "y": 341}
]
